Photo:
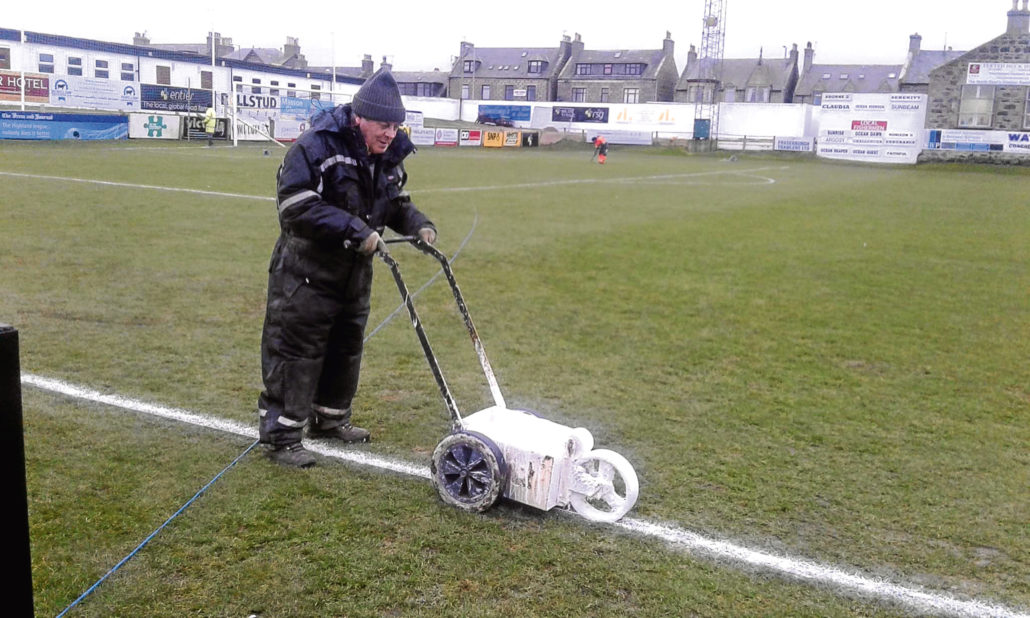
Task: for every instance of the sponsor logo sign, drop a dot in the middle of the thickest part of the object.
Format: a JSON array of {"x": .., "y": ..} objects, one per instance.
[
  {"x": 446, "y": 137},
  {"x": 173, "y": 99},
  {"x": 74, "y": 91},
  {"x": 579, "y": 114},
  {"x": 998, "y": 73},
  {"x": 470, "y": 137},
  {"x": 794, "y": 144},
  {"x": 37, "y": 87}
]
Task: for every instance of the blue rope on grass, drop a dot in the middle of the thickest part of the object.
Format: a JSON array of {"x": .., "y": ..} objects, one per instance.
[
  {"x": 251, "y": 447},
  {"x": 154, "y": 533}
]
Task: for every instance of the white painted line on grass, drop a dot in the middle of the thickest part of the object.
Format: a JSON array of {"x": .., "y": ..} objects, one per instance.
[
  {"x": 130, "y": 185},
  {"x": 192, "y": 418},
  {"x": 525, "y": 185},
  {"x": 850, "y": 582}
]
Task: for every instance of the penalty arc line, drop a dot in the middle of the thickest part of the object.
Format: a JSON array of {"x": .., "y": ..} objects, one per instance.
[{"x": 850, "y": 582}]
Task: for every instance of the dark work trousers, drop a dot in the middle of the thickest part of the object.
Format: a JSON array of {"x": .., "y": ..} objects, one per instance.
[{"x": 311, "y": 344}]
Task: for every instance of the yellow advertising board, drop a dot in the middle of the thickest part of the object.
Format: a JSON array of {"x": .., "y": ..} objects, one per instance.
[{"x": 493, "y": 139}]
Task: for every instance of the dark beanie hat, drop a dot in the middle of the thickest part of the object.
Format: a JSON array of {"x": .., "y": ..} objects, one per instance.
[{"x": 379, "y": 99}]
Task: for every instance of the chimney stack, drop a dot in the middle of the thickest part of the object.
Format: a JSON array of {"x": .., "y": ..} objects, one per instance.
[
  {"x": 914, "y": 43},
  {"x": 1019, "y": 18}
]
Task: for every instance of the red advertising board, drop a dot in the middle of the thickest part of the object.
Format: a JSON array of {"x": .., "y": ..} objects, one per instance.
[
  {"x": 868, "y": 125},
  {"x": 37, "y": 87}
]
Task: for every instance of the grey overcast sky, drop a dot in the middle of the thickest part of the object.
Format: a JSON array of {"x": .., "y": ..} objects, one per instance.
[{"x": 420, "y": 35}]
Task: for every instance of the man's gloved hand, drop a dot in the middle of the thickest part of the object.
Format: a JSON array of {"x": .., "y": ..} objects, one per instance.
[
  {"x": 428, "y": 235},
  {"x": 370, "y": 244}
]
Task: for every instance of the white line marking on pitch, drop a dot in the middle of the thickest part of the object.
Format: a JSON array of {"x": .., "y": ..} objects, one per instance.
[
  {"x": 526, "y": 185},
  {"x": 862, "y": 586},
  {"x": 137, "y": 186}
]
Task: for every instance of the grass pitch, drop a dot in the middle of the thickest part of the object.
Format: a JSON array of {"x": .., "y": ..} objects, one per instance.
[{"x": 820, "y": 360}]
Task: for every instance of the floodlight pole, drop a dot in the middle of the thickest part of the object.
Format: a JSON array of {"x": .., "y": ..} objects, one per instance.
[{"x": 12, "y": 452}]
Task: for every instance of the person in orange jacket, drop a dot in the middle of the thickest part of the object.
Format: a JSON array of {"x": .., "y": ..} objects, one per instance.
[{"x": 600, "y": 149}]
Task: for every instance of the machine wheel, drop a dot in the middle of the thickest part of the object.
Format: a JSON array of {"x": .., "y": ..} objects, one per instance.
[
  {"x": 469, "y": 471},
  {"x": 604, "y": 486}
]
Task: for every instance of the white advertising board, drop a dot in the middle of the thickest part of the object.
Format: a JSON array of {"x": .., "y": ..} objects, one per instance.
[
  {"x": 154, "y": 126},
  {"x": 882, "y": 128},
  {"x": 423, "y": 136},
  {"x": 998, "y": 74},
  {"x": 90, "y": 93}
]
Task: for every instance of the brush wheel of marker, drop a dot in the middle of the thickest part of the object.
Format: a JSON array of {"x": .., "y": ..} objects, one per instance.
[{"x": 604, "y": 486}]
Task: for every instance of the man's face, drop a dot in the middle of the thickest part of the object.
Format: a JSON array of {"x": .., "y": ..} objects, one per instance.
[{"x": 377, "y": 133}]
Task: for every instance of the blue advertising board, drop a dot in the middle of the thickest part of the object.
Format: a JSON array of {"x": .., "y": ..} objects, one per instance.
[
  {"x": 302, "y": 108},
  {"x": 504, "y": 115},
  {"x": 36, "y": 125},
  {"x": 174, "y": 99}
]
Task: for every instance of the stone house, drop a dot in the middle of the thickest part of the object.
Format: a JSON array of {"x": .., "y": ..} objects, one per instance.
[
  {"x": 509, "y": 73},
  {"x": 619, "y": 76},
  {"x": 751, "y": 80},
  {"x": 987, "y": 87}
]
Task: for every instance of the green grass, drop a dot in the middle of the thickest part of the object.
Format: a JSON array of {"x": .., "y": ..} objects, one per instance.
[{"x": 832, "y": 366}]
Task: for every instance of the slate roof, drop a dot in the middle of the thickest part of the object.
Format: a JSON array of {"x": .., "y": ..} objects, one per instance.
[
  {"x": 848, "y": 78},
  {"x": 650, "y": 58},
  {"x": 739, "y": 72},
  {"x": 508, "y": 62},
  {"x": 917, "y": 70}
]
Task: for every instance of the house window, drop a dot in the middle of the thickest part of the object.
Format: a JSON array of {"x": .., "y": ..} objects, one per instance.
[
  {"x": 237, "y": 83},
  {"x": 206, "y": 80},
  {"x": 5, "y": 57},
  {"x": 256, "y": 85},
  {"x": 100, "y": 71},
  {"x": 582, "y": 69},
  {"x": 579, "y": 95},
  {"x": 291, "y": 92},
  {"x": 128, "y": 72},
  {"x": 485, "y": 92},
  {"x": 631, "y": 95},
  {"x": 757, "y": 95},
  {"x": 531, "y": 93},
  {"x": 604, "y": 95},
  {"x": 164, "y": 75},
  {"x": 46, "y": 63},
  {"x": 316, "y": 96},
  {"x": 1026, "y": 111},
  {"x": 607, "y": 69},
  {"x": 74, "y": 66},
  {"x": 536, "y": 66},
  {"x": 634, "y": 69},
  {"x": 465, "y": 94},
  {"x": 469, "y": 66},
  {"x": 977, "y": 107},
  {"x": 273, "y": 90},
  {"x": 509, "y": 93}
]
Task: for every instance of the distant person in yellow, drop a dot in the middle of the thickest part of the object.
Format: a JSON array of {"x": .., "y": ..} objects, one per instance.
[{"x": 209, "y": 125}]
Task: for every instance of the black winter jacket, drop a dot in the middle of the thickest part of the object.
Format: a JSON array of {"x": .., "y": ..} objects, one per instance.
[{"x": 330, "y": 190}]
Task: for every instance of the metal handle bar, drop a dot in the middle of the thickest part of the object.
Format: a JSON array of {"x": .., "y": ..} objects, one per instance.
[{"x": 484, "y": 362}]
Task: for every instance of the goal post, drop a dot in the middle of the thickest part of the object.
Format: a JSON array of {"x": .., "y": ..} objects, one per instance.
[{"x": 278, "y": 115}]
